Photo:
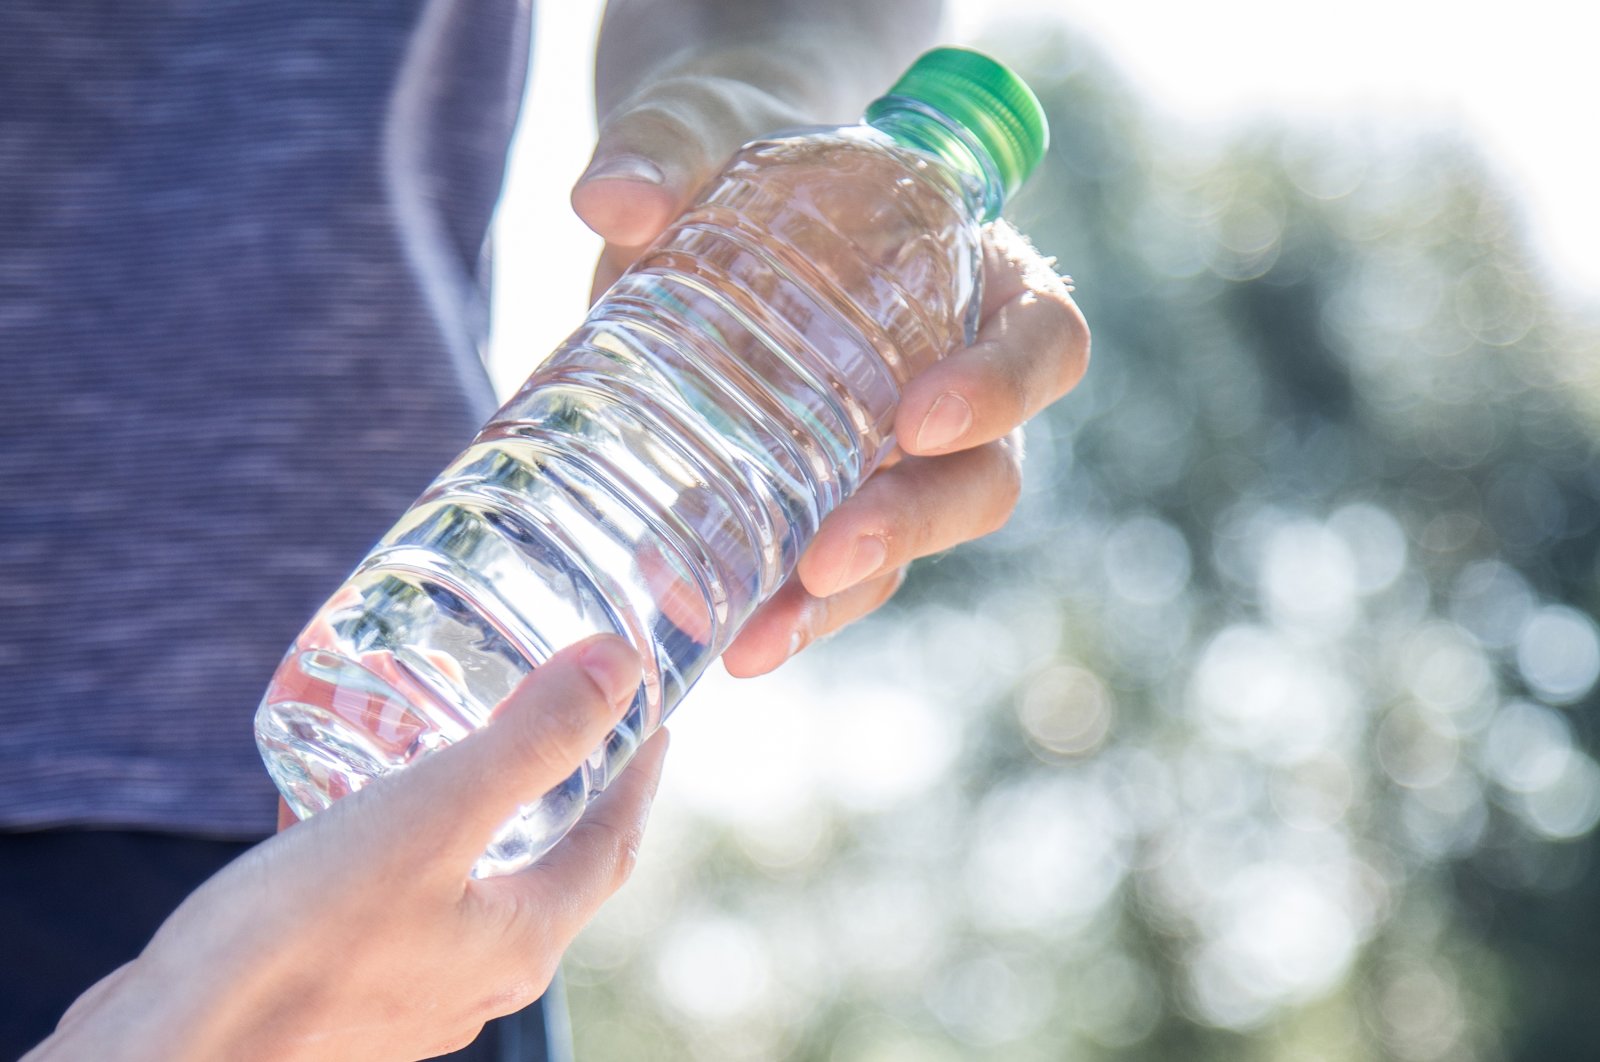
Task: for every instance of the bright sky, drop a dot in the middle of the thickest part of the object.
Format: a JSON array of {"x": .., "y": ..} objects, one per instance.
[{"x": 1521, "y": 79}]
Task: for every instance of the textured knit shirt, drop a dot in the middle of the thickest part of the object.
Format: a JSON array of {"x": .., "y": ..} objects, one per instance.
[{"x": 242, "y": 299}]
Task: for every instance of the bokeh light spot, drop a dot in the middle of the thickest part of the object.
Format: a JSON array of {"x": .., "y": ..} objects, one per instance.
[
  {"x": 713, "y": 967},
  {"x": 1047, "y": 852},
  {"x": 1570, "y": 805},
  {"x": 1066, "y": 710},
  {"x": 1558, "y": 653},
  {"x": 988, "y": 999},
  {"x": 1493, "y": 601},
  {"x": 1255, "y": 690},
  {"x": 1147, "y": 560},
  {"x": 1417, "y": 746},
  {"x": 1526, "y": 747},
  {"x": 1375, "y": 542},
  {"x": 1309, "y": 578},
  {"x": 1276, "y": 934}
]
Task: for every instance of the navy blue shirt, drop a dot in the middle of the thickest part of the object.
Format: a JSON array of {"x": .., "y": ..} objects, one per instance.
[{"x": 242, "y": 300}]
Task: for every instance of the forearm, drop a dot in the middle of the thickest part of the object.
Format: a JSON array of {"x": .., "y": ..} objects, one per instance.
[
  {"x": 134, "y": 1016},
  {"x": 823, "y": 59}
]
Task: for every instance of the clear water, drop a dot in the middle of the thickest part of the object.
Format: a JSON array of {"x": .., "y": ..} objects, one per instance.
[{"x": 657, "y": 477}]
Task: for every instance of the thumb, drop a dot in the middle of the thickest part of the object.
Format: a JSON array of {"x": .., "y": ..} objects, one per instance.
[
  {"x": 541, "y": 732},
  {"x": 658, "y": 147}
]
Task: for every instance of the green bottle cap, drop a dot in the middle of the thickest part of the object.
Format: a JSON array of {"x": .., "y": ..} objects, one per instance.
[{"x": 987, "y": 99}]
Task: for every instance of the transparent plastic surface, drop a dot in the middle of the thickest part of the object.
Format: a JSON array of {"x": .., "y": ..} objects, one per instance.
[{"x": 658, "y": 477}]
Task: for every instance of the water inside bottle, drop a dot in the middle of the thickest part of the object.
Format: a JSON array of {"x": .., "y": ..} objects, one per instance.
[{"x": 657, "y": 477}]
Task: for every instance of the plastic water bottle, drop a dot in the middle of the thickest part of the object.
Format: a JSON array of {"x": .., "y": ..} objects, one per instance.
[{"x": 660, "y": 474}]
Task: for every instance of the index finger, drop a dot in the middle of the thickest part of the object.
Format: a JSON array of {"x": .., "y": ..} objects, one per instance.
[
  {"x": 556, "y": 897},
  {"x": 1032, "y": 347}
]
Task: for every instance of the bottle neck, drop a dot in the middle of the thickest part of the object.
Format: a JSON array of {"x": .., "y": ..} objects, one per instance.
[{"x": 925, "y": 129}]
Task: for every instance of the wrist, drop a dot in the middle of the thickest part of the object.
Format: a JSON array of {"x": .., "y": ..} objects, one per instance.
[
  {"x": 130, "y": 1016},
  {"x": 198, "y": 1008}
]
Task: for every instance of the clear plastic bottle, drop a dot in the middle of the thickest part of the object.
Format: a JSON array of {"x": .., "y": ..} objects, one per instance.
[{"x": 660, "y": 474}]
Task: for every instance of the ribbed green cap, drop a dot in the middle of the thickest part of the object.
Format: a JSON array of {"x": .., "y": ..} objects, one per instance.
[{"x": 988, "y": 99}]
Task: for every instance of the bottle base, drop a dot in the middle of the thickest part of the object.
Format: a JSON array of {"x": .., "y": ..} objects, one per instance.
[{"x": 315, "y": 758}]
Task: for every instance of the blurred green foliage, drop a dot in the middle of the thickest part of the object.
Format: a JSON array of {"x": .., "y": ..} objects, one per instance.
[{"x": 1261, "y": 732}]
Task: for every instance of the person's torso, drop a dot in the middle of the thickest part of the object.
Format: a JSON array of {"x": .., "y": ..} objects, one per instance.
[{"x": 241, "y": 300}]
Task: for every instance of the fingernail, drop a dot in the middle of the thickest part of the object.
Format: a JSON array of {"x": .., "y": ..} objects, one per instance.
[
  {"x": 625, "y": 168},
  {"x": 613, "y": 665},
  {"x": 869, "y": 555},
  {"x": 946, "y": 422}
]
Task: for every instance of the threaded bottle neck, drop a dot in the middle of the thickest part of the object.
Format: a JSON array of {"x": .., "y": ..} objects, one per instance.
[{"x": 924, "y": 128}]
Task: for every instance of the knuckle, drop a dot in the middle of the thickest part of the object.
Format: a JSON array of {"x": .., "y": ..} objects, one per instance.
[
  {"x": 458, "y": 1038},
  {"x": 709, "y": 112},
  {"x": 1019, "y": 388},
  {"x": 615, "y": 848},
  {"x": 625, "y": 855},
  {"x": 540, "y": 970},
  {"x": 1076, "y": 339},
  {"x": 1006, "y": 483},
  {"x": 1063, "y": 338},
  {"x": 1014, "y": 443},
  {"x": 890, "y": 585},
  {"x": 817, "y": 622},
  {"x": 516, "y": 994},
  {"x": 627, "y": 861},
  {"x": 534, "y": 939},
  {"x": 661, "y": 119},
  {"x": 999, "y": 387},
  {"x": 920, "y": 511},
  {"x": 882, "y": 512}
]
